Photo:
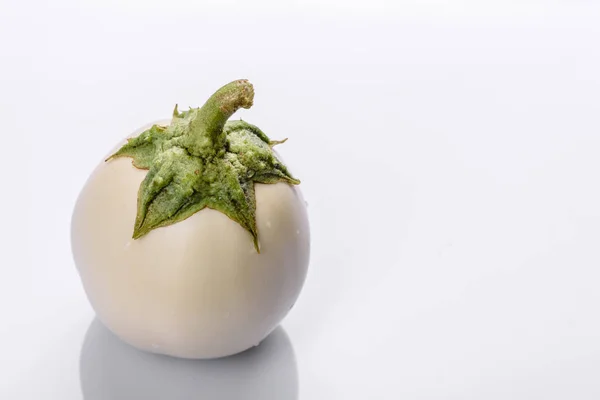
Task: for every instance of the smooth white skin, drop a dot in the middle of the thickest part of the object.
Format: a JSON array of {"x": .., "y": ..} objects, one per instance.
[{"x": 195, "y": 289}]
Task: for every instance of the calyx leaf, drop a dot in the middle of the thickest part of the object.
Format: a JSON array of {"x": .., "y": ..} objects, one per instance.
[{"x": 200, "y": 160}]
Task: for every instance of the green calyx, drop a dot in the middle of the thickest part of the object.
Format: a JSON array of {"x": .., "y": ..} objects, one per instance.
[{"x": 200, "y": 160}]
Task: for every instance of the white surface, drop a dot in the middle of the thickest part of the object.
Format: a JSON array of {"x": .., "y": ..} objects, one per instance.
[{"x": 448, "y": 152}]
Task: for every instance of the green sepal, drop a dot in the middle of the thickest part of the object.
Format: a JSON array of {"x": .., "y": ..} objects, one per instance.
[
  {"x": 142, "y": 148},
  {"x": 201, "y": 160}
]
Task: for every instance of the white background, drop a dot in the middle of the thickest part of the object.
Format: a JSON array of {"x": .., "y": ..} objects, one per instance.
[{"x": 449, "y": 152}]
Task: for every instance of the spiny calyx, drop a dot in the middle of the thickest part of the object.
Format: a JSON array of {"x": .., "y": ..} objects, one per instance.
[{"x": 200, "y": 160}]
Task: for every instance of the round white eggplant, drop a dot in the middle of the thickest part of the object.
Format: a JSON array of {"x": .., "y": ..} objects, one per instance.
[{"x": 196, "y": 285}]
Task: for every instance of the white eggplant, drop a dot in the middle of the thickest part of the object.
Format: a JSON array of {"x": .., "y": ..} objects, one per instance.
[{"x": 189, "y": 269}]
